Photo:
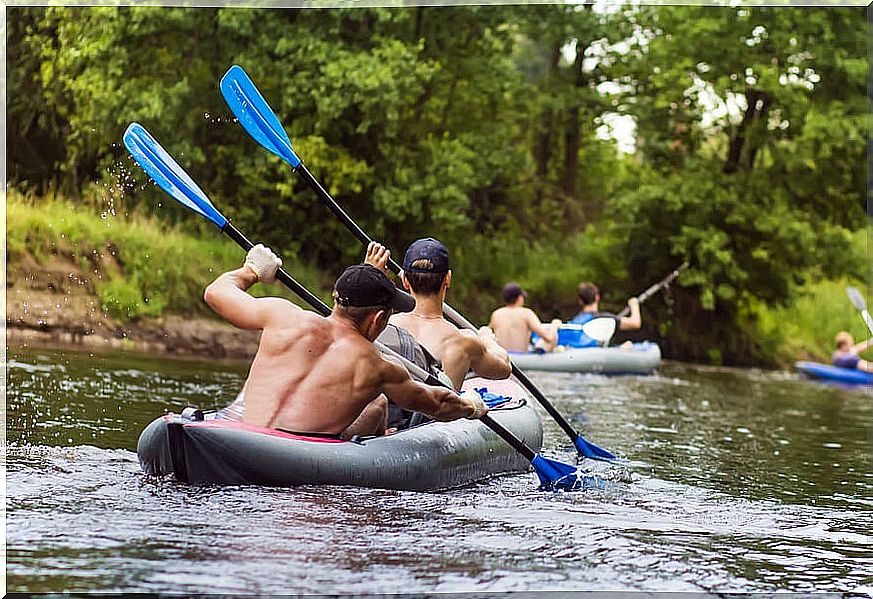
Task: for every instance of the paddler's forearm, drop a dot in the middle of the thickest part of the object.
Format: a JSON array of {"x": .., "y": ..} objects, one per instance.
[
  {"x": 227, "y": 293},
  {"x": 450, "y": 406}
]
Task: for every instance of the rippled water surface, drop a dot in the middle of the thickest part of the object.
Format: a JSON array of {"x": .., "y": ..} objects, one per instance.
[{"x": 740, "y": 481}]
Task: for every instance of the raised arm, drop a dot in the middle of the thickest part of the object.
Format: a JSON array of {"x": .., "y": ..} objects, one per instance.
[
  {"x": 228, "y": 296},
  {"x": 863, "y": 346},
  {"x": 635, "y": 320},
  {"x": 437, "y": 402}
]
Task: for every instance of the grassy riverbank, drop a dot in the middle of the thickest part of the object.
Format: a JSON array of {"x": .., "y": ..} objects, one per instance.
[
  {"x": 131, "y": 268},
  {"x": 137, "y": 266}
]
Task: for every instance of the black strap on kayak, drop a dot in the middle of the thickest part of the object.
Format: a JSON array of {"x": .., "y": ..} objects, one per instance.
[{"x": 176, "y": 443}]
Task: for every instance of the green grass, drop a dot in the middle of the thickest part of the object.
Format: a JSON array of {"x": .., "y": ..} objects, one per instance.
[
  {"x": 805, "y": 328},
  {"x": 139, "y": 265}
]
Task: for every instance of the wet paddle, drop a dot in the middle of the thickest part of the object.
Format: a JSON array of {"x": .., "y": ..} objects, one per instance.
[
  {"x": 656, "y": 288},
  {"x": 259, "y": 120},
  {"x": 858, "y": 300},
  {"x": 166, "y": 172}
]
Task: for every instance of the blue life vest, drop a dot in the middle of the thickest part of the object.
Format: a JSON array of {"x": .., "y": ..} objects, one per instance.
[{"x": 846, "y": 359}]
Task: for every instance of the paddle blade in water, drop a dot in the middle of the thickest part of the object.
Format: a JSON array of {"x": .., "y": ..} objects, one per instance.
[
  {"x": 166, "y": 172},
  {"x": 558, "y": 476},
  {"x": 590, "y": 450},
  {"x": 255, "y": 115}
]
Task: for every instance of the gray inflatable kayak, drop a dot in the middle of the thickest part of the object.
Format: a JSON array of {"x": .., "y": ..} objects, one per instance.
[
  {"x": 642, "y": 358},
  {"x": 200, "y": 448}
]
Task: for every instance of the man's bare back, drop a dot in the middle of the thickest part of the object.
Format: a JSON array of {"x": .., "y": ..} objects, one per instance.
[
  {"x": 513, "y": 323},
  {"x": 456, "y": 349},
  {"x": 318, "y": 375},
  {"x": 512, "y": 327}
]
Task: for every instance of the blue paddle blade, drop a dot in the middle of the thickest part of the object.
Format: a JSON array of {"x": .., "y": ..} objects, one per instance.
[
  {"x": 255, "y": 115},
  {"x": 558, "y": 476},
  {"x": 590, "y": 450},
  {"x": 167, "y": 173}
]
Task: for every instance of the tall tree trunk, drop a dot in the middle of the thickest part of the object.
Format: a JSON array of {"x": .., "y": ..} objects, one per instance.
[
  {"x": 419, "y": 24},
  {"x": 573, "y": 133},
  {"x": 543, "y": 148},
  {"x": 754, "y": 118}
]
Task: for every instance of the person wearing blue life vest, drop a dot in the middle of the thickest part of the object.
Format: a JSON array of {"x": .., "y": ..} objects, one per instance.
[
  {"x": 589, "y": 298},
  {"x": 846, "y": 354}
]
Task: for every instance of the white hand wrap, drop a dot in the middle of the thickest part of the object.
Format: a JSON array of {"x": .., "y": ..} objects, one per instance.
[
  {"x": 263, "y": 263},
  {"x": 479, "y": 407}
]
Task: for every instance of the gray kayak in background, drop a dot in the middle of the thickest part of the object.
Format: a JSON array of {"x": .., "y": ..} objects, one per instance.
[
  {"x": 202, "y": 449},
  {"x": 641, "y": 358}
]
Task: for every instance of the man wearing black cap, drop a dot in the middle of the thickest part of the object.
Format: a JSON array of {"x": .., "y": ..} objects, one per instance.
[
  {"x": 513, "y": 323},
  {"x": 427, "y": 276},
  {"x": 323, "y": 376}
]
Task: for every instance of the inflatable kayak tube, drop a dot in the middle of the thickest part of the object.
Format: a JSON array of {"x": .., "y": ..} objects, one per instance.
[
  {"x": 826, "y": 372},
  {"x": 642, "y": 358},
  {"x": 204, "y": 449}
]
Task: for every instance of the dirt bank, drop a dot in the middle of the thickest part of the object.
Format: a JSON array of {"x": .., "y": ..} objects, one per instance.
[{"x": 54, "y": 304}]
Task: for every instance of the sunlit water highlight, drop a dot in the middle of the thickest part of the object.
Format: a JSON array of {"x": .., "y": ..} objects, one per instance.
[{"x": 736, "y": 481}]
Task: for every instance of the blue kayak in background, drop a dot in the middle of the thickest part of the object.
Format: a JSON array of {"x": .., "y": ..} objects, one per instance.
[{"x": 847, "y": 376}]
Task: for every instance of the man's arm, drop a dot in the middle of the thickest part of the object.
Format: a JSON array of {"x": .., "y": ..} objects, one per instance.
[
  {"x": 863, "y": 346},
  {"x": 439, "y": 403},
  {"x": 635, "y": 320},
  {"x": 549, "y": 333},
  {"x": 227, "y": 294},
  {"x": 489, "y": 360}
]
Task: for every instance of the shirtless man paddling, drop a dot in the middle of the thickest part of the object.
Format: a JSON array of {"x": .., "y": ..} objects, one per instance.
[
  {"x": 320, "y": 375},
  {"x": 427, "y": 276},
  {"x": 513, "y": 323}
]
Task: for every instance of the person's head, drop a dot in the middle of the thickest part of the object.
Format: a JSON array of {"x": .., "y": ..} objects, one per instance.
[
  {"x": 844, "y": 340},
  {"x": 365, "y": 295},
  {"x": 588, "y": 294},
  {"x": 426, "y": 267},
  {"x": 513, "y": 294}
]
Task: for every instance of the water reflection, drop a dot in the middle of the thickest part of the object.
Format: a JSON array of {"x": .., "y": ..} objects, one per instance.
[{"x": 737, "y": 484}]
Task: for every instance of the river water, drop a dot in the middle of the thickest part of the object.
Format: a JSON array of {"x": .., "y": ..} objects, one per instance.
[{"x": 739, "y": 481}]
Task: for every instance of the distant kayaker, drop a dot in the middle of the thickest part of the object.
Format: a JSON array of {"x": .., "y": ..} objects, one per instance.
[
  {"x": 513, "y": 324},
  {"x": 846, "y": 355},
  {"x": 589, "y": 299},
  {"x": 324, "y": 376},
  {"x": 427, "y": 276}
]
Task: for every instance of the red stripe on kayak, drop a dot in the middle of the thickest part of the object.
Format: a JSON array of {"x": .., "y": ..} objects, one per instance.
[{"x": 245, "y": 426}]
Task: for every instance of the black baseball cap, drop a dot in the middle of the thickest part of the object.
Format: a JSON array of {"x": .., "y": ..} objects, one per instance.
[
  {"x": 364, "y": 285},
  {"x": 511, "y": 291},
  {"x": 426, "y": 255}
]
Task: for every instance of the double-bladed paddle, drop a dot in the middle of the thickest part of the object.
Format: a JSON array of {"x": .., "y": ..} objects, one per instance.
[
  {"x": 256, "y": 117},
  {"x": 166, "y": 172},
  {"x": 858, "y": 300}
]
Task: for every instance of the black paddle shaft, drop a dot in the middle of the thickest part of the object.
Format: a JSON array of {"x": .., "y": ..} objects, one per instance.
[
  {"x": 451, "y": 314},
  {"x": 655, "y": 288},
  {"x": 281, "y": 275}
]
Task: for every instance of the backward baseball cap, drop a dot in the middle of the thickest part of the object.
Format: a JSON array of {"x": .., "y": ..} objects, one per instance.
[
  {"x": 364, "y": 286},
  {"x": 426, "y": 255}
]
